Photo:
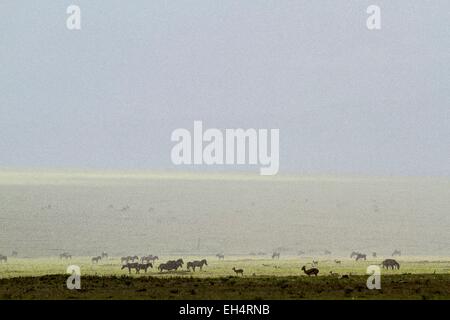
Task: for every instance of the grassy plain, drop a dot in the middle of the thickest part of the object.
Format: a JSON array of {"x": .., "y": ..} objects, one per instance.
[{"x": 264, "y": 278}]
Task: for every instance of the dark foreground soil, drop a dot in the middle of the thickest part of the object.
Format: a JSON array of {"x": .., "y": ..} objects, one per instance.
[{"x": 414, "y": 286}]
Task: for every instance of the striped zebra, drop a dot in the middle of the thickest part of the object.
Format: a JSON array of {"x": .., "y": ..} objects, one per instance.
[
  {"x": 220, "y": 256},
  {"x": 134, "y": 265},
  {"x": 171, "y": 265},
  {"x": 65, "y": 255},
  {"x": 194, "y": 264}
]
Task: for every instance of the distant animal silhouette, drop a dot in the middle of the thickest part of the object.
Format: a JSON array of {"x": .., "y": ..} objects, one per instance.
[
  {"x": 374, "y": 254},
  {"x": 337, "y": 261},
  {"x": 358, "y": 255},
  {"x": 310, "y": 272},
  {"x": 149, "y": 258},
  {"x": 327, "y": 252},
  {"x": 3, "y": 258},
  {"x": 96, "y": 259},
  {"x": 65, "y": 255},
  {"x": 396, "y": 253},
  {"x": 300, "y": 253},
  {"x": 238, "y": 271},
  {"x": 134, "y": 265},
  {"x": 104, "y": 255},
  {"x": 125, "y": 259},
  {"x": 315, "y": 263},
  {"x": 276, "y": 255},
  {"x": 220, "y": 256},
  {"x": 145, "y": 266},
  {"x": 14, "y": 254},
  {"x": 393, "y": 264},
  {"x": 171, "y": 265},
  {"x": 194, "y": 264}
]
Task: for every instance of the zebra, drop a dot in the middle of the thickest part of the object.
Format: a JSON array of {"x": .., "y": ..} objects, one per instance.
[
  {"x": 358, "y": 255},
  {"x": 145, "y": 266},
  {"x": 171, "y": 265},
  {"x": 220, "y": 256},
  {"x": 96, "y": 259},
  {"x": 125, "y": 259},
  {"x": 196, "y": 263},
  {"x": 149, "y": 258},
  {"x": 3, "y": 258},
  {"x": 130, "y": 266},
  {"x": 65, "y": 255},
  {"x": 104, "y": 255},
  {"x": 361, "y": 256},
  {"x": 390, "y": 263},
  {"x": 396, "y": 253},
  {"x": 276, "y": 255}
]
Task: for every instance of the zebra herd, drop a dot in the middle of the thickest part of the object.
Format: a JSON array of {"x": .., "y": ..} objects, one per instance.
[{"x": 146, "y": 262}]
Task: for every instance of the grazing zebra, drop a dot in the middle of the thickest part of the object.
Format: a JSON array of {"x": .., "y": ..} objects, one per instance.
[
  {"x": 390, "y": 263},
  {"x": 171, "y": 265},
  {"x": 220, "y": 256},
  {"x": 276, "y": 255},
  {"x": 145, "y": 266},
  {"x": 310, "y": 272},
  {"x": 396, "y": 253},
  {"x": 149, "y": 258},
  {"x": 133, "y": 258},
  {"x": 65, "y": 255},
  {"x": 361, "y": 256},
  {"x": 130, "y": 266},
  {"x": 96, "y": 259},
  {"x": 196, "y": 263},
  {"x": 238, "y": 271},
  {"x": 358, "y": 255},
  {"x": 3, "y": 258}
]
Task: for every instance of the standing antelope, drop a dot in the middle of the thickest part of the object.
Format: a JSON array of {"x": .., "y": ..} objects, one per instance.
[
  {"x": 310, "y": 272},
  {"x": 238, "y": 271}
]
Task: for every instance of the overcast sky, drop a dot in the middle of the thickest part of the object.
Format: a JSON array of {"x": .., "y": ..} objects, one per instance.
[{"x": 346, "y": 100}]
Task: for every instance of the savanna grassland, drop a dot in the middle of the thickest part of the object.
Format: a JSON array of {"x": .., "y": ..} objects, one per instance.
[
  {"x": 176, "y": 215},
  {"x": 263, "y": 278}
]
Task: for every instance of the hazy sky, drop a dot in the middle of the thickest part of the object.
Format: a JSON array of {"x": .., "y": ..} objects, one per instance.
[{"x": 346, "y": 99}]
